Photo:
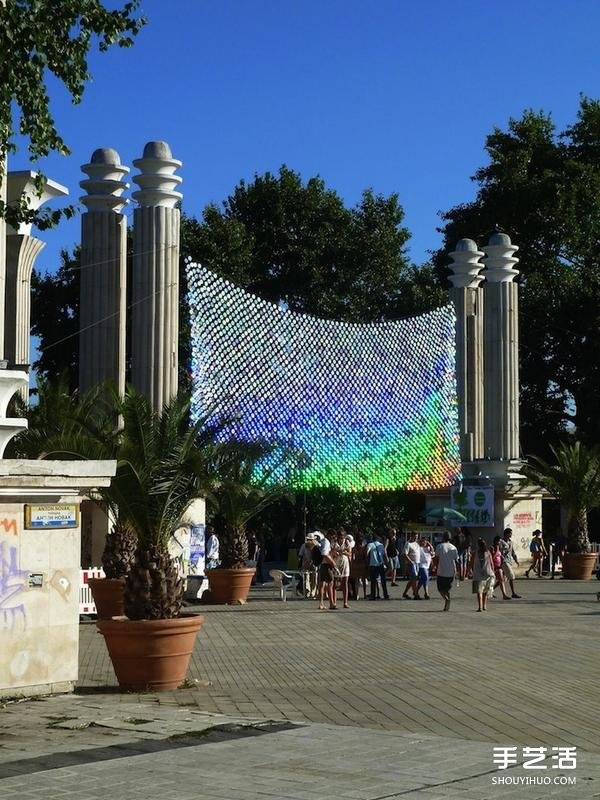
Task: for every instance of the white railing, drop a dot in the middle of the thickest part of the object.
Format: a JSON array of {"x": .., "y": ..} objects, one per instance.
[{"x": 86, "y": 601}]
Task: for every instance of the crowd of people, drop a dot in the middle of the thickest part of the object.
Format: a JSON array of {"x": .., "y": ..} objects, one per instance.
[{"x": 337, "y": 562}]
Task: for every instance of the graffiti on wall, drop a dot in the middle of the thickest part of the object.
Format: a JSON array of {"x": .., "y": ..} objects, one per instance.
[{"x": 13, "y": 581}]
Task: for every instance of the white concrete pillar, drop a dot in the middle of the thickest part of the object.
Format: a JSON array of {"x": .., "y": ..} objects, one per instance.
[
  {"x": 3, "y": 195},
  {"x": 467, "y": 296},
  {"x": 102, "y": 303},
  {"x": 22, "y": 250},
  {"x": 501, "y": 350},
  {"x": 155, "y": 276}
]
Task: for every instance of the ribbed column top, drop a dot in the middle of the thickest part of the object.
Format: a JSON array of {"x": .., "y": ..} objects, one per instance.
[
  {"x": 466, "y": 265},
  {"x": 157, "y": 179},
  {"x": 104, "y": 186}
]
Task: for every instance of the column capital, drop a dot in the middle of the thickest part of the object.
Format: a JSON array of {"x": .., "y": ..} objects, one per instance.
[
  {"x": 466, "y": 265},
  {"x": 499, "y": 262},
  {"x": 157, "y": 179},
  {"x": 22, "y": 182},
  {"x": 104, "y": 186}
]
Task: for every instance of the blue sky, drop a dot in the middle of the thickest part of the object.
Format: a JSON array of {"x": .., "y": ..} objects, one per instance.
[{"x": 388, "y": 94}]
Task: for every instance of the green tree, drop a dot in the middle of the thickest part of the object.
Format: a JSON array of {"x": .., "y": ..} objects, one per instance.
[
  {"x": 574, "y": 480},
  {"x": 296, "y": 243},
  {"x": 39, "y": 38},
  {"x": 55, "y": 320},
  {"x": 543, "y": 188},
  {"x": 284, "y": 240}
]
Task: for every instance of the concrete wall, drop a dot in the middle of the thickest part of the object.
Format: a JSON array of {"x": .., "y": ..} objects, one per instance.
[{"x": 39, "y": 638}]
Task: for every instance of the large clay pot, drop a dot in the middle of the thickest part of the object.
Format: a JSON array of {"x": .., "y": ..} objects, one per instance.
[
  {"x": 229, "y": 585},
  {"x": 150, "y": 655},
  {"x": 578, "y": 566},
  {"x": 108, "y": 596}
]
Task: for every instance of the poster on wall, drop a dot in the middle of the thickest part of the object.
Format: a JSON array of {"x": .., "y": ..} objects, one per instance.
[
  {"x": 197, "y": 550},
  {"x": 476, "y": 503}
]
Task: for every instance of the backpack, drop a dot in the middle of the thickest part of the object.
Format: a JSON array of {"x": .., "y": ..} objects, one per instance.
[{"x": 316, "y": 555}]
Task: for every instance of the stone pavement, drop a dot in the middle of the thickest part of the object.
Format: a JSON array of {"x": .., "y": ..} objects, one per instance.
[{"x": 383, "y": 700}]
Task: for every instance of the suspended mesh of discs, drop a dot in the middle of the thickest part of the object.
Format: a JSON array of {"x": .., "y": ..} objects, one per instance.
[{"x": 365, "y": 407}]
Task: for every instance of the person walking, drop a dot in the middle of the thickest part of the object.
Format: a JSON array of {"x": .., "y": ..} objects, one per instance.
[
  {"x": 327, "y": 571},
  {"x": 309, "y": 570},
  {"x": 446, "y": 556},
  {"x": 427, "y": 554},
  {"x": 509, "y": 557},
  {"x": 481, "y": 567},
  {"x": 359, "y": 568},
  {"x": 538, "y": 553},
  {"x": 377, "y": 567},
  {"x": 499, "y": 574},
  {"x": 393, "y": 555},
  {"x": 462, "y": 542},
  {"x": 412, "y": 554}
]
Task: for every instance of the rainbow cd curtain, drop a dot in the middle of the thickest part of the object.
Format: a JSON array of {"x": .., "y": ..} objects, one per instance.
[{"x": 360, "y": 407}]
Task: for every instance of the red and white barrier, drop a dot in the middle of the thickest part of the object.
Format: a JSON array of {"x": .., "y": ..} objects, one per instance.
[{"x": 86, "y": 601}]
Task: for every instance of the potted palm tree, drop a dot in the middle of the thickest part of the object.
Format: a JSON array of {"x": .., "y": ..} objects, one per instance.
[
  {"x": 69, "y": 425},
  {"x": 161, "y": 469},
  {"x": 574, "y": 480},
  {"x": 238, "y": 497}
]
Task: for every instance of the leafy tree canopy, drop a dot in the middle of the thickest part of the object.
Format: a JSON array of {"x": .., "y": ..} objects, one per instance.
[
  {"x": 296, "y": 243},
  {"x": 543, "y": 188},
  {"x": 55, "y": 320},
  {"x": 42, "y": 37}
]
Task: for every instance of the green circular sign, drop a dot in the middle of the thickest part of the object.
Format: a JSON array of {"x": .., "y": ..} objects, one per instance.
[{"x": 479, "y": 499}]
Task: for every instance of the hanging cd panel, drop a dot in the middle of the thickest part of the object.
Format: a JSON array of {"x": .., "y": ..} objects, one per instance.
[{"x": 367, "y": 407}]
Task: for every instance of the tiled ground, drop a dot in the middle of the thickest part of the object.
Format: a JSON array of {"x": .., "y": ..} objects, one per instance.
[{"x": 386, "y": 700}]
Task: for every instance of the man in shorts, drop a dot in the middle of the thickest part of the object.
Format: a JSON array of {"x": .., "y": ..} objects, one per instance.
[
  {"x": 446, "y": 556},
  {"x": 509, "y": 558},
  {"x": 376, "y": 558},
  {"x": 412, "y": 554}
]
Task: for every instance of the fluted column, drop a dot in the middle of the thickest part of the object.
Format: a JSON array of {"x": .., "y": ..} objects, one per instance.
[
  {"x": 467, "y": 296},
  {"x": 102, "y": 304},
  {"x": 3, "y": 178},
  {"x": 155, "y": 276},
  {"x": 501, "y": 350},
  {"x": 22, "y": 249},
  {"x": 21, "y": 253}
]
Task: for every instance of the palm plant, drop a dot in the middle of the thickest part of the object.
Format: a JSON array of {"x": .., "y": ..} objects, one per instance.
[
  {"x": 72, "y": 426},
  {"x": 161, "y": 468},
  {"x": 574, "y": 480},
  {"x": 239, "y": 495}
]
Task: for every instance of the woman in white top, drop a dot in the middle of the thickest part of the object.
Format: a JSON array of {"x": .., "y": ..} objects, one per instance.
[
  {"x": 482, "y": 567},
  {"x": 342, "y": 562},
  {"x": 427, "y": 554}
]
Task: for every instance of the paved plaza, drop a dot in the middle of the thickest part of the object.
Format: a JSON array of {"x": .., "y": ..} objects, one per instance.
[{"x": 384, "y": 700}]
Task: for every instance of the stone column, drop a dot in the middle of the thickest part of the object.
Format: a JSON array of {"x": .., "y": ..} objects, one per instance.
[
  {"x": 22, "y": 250},
  {"x": 3, "y": 195},
  {"x": 467, "y": 296},
  {"x": 155, "y": 276},
  {"x": 102, "y": 304},
  {"x": 501, "y": 350}
]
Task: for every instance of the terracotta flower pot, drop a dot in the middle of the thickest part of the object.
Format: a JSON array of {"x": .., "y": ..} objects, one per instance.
[
  {"x": 108, "y": 596},
  {"x": 578, "y": 566},
  {"x": 230, "y": 585},
  {"x": 151, "y": 655}
]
